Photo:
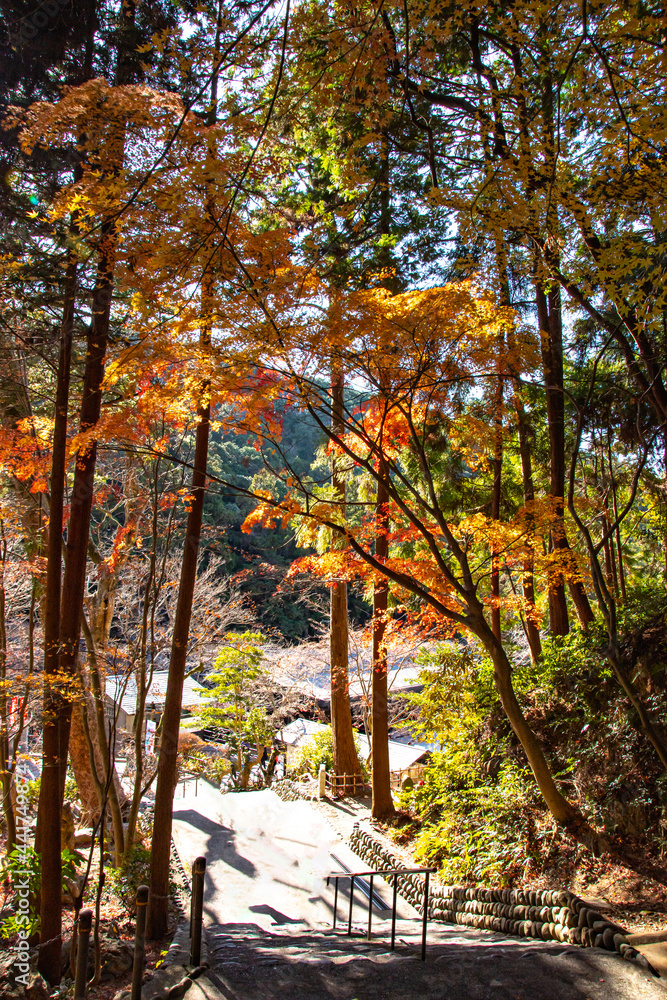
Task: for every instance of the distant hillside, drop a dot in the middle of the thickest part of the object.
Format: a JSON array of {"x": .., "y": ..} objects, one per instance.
[{"x": 262, "y": 558}]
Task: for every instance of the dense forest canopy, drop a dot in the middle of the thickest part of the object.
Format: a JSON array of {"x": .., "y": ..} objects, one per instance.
[{"x": 324, "y": 311}]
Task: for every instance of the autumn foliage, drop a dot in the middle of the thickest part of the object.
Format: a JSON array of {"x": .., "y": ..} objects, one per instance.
[{"x": 435, "y": 235}]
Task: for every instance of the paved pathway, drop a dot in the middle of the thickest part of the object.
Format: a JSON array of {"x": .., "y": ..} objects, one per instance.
[{"x": 268, "y": 922}]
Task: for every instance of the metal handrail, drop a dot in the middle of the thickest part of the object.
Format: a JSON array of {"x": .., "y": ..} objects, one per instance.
[
  {"x": 189, "y": 777},
  {"x": 377, "y": 900},
  {"x": 393, "y": 873}
]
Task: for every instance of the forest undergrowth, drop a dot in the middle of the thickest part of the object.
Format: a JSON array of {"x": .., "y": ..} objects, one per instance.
[{"x": 477, "y": 815}]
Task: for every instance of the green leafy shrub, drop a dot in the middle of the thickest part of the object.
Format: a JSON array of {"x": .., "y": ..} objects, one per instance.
[
  {"x": 31, "y": 792},
  {"x": 71, "y": 787},
  {"x": 132, "y": 872},
  {"x": 319, "y": 750},
  {"x": 475, "y": 802},
  {"x": 22, "y": 865},
  {"x": 217, "y": 769},
  {"x": 314, "y": 752},
  {"x": 475, "y": 829},
  {"x": 237, "y": 677}
]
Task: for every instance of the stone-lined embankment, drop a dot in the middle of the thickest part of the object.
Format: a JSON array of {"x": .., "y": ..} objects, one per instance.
[{"x": 545, "y": 914}]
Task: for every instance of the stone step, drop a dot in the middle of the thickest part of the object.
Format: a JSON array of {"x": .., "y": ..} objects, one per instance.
[{"x": 248, "y": 963}]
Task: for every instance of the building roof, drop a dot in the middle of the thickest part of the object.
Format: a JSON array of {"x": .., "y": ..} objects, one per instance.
[
  {"x": 307, "y": 668},
  {"x": 122, "y": 689},
  {"x": 401, "y": 755}
]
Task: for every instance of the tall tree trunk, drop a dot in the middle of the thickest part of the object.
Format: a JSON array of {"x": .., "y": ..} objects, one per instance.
[
  {"x": 614, "y": 498},
  {"x": 528, "y": 577},
  {"x": 60, "y": 707},
  {"x": 6, "y": 766},
  {"x": 497, "y": 491},
  {"x": 551, "y": 339},
  {"x": 47, "y": 838},
  {"x": 563, "y": 812},
  {"x": 103, "y": 746},
  {"x": 566, "y": 815},
  {"x": 345, "y": 759},
  {"x": 158, "y": 901},
  {"x": 552, "y": 361},
  {"x": 383, "y": 803},
  {"x": 158, "y": 907},
  {"x": 64, "y": 603},
  {"x": 89, "y": 782}
]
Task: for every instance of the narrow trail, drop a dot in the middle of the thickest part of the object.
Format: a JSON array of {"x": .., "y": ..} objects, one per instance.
[{"x": 268, "y": 915}]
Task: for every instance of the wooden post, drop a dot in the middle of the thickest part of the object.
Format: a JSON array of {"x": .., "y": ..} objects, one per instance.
[
  {"x": 425, "y": 915},
  {"x": 198, "y": 872},
  {"x": 139, "y": 941},
  {"x": 370, "y": 911},
  {"x": 83, "y": 936},
  {"x": 393, "y": 913}
]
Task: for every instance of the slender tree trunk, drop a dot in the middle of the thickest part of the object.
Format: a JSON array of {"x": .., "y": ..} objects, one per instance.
[
  {"x": 623, "y": 678},
  {"x": 566, "y": 815},
  {"x": 150, "y": 595},
  {"x": 528, "y": 585},
  {"x": 344, "y": 753},
  {"x": 599, "y": 481},
  {"x": 70, "y": 619},
  {"x": 496, "y": 494},
  {"x": 158, "y": 907},
  {"x": 158, "y": 902},
  {"x": 140, "y": 713},
  {"x": 609, "y": 569},
  {"x": 617, "y": 532},
  {"x": 383, "y": 803},
  {"x": 101, "y": 607},
  {"x": 64, "y": 604},
  {"x": 88, "y": 778},
  {"x": 607, "y": 605},
  {"x": 552, "y": 359},
  {"x": 103, "y": 754},
  {"x": 5, "y": 765},
  {"x": 664, "y": 492},
  {"x": 551, "y": 338},
  {"x": 151, "y": 592},
  {"x": 524, "y": 434},
  {"x": 47, "y": 839}
]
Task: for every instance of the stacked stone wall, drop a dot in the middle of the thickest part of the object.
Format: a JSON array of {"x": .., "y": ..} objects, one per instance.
[
  {"x": 287, "y": 790},
  {"x": 544, "y": 914}
]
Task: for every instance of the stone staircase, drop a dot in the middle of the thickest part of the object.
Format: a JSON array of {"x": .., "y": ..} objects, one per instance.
[{"x": 290, "y": 963}]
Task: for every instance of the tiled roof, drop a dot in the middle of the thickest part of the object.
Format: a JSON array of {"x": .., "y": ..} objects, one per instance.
[{"x": 118, "y": 686}]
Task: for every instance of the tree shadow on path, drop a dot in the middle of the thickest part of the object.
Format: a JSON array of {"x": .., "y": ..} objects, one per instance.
[
  {"x": 220, "y": 844},
  {"x": 249, "y": 964},
  {"x": 276, "y": 915}
]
